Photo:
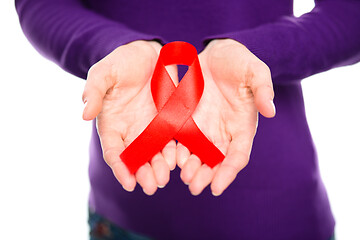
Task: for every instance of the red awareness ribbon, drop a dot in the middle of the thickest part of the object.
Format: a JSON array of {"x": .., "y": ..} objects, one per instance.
[{"x": 175, "y": 106}]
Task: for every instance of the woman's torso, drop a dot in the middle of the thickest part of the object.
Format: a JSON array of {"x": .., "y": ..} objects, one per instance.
[{"x": 279, "y": 195}]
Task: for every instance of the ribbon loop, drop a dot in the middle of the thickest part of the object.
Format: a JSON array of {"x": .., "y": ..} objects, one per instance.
[{"x": 175, "y": 106}]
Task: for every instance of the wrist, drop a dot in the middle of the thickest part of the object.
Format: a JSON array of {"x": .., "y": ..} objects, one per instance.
[
  {"x": 223, "y": 43},
  {"x": 145, "y": 45}
]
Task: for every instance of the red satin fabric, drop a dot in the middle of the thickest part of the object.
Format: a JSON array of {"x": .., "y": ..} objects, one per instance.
[{"x": 175, "y": 106}]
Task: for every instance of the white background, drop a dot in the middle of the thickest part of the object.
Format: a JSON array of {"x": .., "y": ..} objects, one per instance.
[{"x": 44, "y": 142}]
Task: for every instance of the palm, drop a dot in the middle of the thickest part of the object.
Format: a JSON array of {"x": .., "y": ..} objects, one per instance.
[
  {"x": 231, "y": 113},
  {"x": 126, "y": 112},
  {"x": 227, "y": 115},
  {"x": 127, "y": 108}
]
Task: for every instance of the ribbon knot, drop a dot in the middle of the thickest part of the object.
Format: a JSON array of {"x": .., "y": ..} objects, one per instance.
[{"x": 175, "y": 106}]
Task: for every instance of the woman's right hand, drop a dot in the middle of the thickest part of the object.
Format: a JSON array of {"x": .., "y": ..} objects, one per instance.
[{"x": 117, "y": 93}]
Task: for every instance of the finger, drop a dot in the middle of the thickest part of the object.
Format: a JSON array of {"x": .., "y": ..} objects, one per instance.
[
  {"x": 202, "y": 178},
  {"x": 182, "y": 154},
  {"x": 235, "y": 160},
  {"x": 190, "y": 168},
  {"x": 262, "y": 88},
  {"x": 112, "y": 146},
  {"x": 161, "y": 170},
  {"x": 145, "y": 177},
  {"x": 169, "y": 153},
  {"x": 97, "y": 84},
  {"x": 122, "y": 174}
]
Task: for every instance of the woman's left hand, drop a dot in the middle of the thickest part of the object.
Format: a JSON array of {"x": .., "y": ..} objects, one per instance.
[{"x": 237, "y": 86}]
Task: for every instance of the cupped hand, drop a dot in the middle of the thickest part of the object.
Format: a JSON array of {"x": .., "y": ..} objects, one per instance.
[
  {"x": 117, "y": 93},
  {"x": 237, "y": 86}
]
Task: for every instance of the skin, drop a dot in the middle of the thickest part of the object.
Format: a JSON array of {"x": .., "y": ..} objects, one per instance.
[
  {"x": 237, "y": 86},
  {"x": 117, "y": 93}
]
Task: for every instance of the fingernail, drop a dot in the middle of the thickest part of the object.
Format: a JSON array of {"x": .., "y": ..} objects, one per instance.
[
  {"x": 145, "y": 191},
  {"x": 129, "y": 190},
  {"x": 273, "y": 105},
  {"x": 161, "y": 186},
  {"x": 193, "y": 193},
  {"x": 216, "y": 194}
]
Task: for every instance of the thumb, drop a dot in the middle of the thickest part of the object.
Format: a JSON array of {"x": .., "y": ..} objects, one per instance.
[
  {"x": 262, "y": 88},
  {"x": 97, "y": 84}
]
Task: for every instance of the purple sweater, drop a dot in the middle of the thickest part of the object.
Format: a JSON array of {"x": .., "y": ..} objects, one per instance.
[{"x": 279, "y": 195}]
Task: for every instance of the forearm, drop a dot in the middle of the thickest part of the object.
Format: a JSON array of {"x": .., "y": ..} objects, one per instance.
[
  {"x": 295, "y": 48},
  {"x": 71, "y": 35}
]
